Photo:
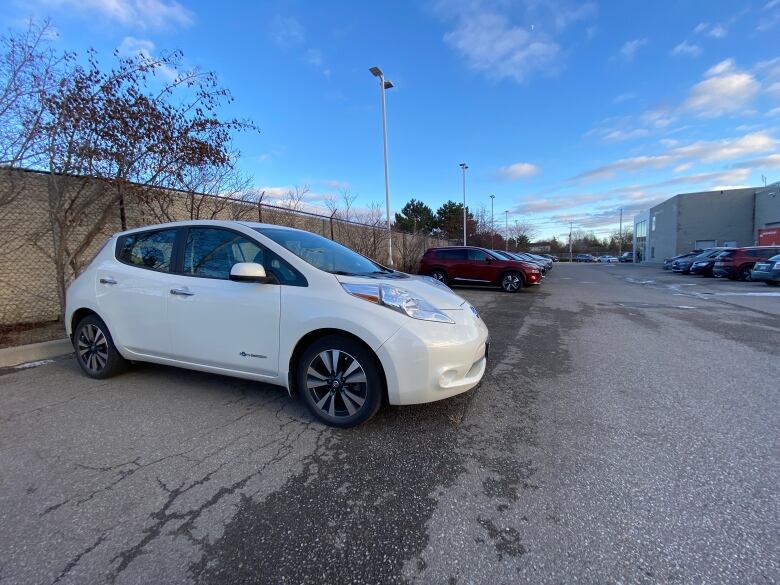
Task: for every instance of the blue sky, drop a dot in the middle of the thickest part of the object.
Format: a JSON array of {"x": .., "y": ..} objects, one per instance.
[{"x": 563, "y": 110}]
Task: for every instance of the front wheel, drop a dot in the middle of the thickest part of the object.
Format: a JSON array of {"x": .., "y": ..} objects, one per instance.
[
  {"x": 339, "y": 381},
  {"x": 745, "y": 275},
  {"x": 439, "y": 275},
  {"x": 511, "y": 282}
]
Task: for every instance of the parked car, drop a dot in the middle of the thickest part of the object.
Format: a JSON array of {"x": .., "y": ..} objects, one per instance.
[
  {"x": 541, "y": 258},
  {"x": 472, "y": 265},
  {"x": 277, "y": 305},
  {"x": 738, "y": 263},
  {"x": 546, "y": 263},
  {"x": 683, "y": 263},
  {"x": 584, "y": 258},
  {"x": 704, "y": 263},
  {"x": 522, "y": 258},
  {"x": 626, "y": 257},
  {"x": 552, "y": 257},
  {"x": 607, "y": 259},
  {"x": 767, "y": 271},
  {"x": 669, "y": 261}
]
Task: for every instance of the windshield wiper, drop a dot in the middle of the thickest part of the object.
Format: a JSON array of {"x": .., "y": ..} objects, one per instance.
[{"x": 345, "y": 273}]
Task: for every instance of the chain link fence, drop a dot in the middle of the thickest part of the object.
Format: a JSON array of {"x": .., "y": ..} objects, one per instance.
[{"x": 31, "y": 242}]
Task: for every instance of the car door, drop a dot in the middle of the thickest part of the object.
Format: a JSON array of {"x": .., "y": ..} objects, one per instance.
[
  {"x": 480, "y": 266},
  {"x": 131, "y": 292},
  {"x": 217, "y": 322}
]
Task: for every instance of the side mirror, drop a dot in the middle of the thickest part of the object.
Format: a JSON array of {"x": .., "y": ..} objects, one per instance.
[{"x": 248, "y": 272}]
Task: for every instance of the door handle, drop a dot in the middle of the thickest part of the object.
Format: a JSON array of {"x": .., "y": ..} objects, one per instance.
[
  {"x": 181, "y": 292},
  {"x": 108, "y": 280}
]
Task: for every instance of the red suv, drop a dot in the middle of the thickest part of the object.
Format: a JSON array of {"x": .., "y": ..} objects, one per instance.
[
  {"x": 739, "y": 262},
  {"x": 466, "y": 265}
]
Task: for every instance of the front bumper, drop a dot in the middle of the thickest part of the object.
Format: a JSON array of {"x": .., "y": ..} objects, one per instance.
[
  {"x": 765, "y": 276},
  {"x": 425, "y": 362}
]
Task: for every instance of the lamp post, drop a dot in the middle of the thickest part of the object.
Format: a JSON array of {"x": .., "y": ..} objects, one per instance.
[
  {"x": 384, "y": 85},
  {"x": 506, "y": 231},
  {"x": 464, "y": 167},
  {"x": 492, "y": 222}
]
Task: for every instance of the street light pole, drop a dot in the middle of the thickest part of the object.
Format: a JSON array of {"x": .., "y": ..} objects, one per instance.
[
  {"x": 620, "y": 234},
  {"x": 492, "y": 222},
  {"x": 384, "y": 85},
  {"x": 506, "y": 231},
  {"x": 464, "y": 167}
]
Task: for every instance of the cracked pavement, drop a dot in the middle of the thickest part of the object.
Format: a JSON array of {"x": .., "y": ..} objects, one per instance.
[{"x": 626, "y": 431}]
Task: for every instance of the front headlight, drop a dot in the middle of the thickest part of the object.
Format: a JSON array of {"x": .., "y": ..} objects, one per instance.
[{"x": 397, "y": 299}]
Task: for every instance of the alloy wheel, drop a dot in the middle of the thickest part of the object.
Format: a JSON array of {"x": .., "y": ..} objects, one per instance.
[
  {"x": 438, "y": 275},
  {"x": 92, "y": 348},
  {"x": 511, "y": 282},
  {"x": 337, "y": 383}
]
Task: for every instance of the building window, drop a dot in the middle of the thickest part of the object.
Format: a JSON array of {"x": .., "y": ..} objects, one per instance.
[
  {"x": 652, "y": 252},
  {"x": 653, "y": 225}
]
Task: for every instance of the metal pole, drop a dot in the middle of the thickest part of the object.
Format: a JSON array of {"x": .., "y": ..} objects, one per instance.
[
  {"x": 463, "y": 167},
  {"x": 492, "y": 222},
  {"x": 620, "y": 234},
  {"x": 570, "y": 227},
  {"x": 506, "y": 230},
  {"x": 387, "y": 173}
]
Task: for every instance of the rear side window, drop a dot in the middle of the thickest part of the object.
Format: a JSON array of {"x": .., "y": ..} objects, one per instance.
[
  {"x": 451, "y": 254},
  {"x": 151, "y": 250}
]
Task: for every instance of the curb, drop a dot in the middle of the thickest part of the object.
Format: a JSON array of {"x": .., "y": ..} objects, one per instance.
[{"x": 22, "y": 354}]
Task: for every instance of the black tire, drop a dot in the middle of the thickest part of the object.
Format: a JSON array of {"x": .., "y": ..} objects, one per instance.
[
  {"x": 95, "y": 350},
  {"x": 744, "y": 273},
  {"x": 772, "y": 282},
  {"x": 511, "y": 282},
  {"x": 324, "y": 387},
  {"x": 439, "y": 275}
]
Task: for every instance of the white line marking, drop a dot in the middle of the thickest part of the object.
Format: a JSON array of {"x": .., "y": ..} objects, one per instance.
[{"x": 33, "y": 364}]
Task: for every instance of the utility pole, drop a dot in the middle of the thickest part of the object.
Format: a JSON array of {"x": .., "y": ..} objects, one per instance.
[
  {"x": 464, "y": 167},
  {"x": 620, "y": 234},
  {"x": 571, "y": 258},
  {"x": 506, "y": 231},
  {"x": 492, "y": 222}
]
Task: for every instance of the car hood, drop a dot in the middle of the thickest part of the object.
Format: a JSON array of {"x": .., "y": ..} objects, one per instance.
[{"x": 438, "y": 296}]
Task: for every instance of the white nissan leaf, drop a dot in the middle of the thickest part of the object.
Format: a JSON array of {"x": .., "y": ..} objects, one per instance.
[{"x": 277, "y": 305}]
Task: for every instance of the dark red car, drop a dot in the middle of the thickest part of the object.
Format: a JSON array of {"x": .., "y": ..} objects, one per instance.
[
  {"x": 470, "y": 265},
  {"x": 738, "y": 263}
]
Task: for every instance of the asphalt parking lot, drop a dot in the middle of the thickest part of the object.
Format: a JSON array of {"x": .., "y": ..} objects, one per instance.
[{"x": 626, "y": 431}]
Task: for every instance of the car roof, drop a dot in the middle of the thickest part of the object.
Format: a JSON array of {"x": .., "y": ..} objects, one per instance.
[{"x": 207, "y": 222}]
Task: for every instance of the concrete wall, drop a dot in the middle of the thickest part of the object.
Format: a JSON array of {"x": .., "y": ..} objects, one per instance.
[
  {"x": 662, "y": 231},
  {"x": 723, "y": 216},
  {"x": 767, "y": 213}
]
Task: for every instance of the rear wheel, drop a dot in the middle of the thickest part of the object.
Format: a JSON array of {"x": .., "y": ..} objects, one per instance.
[
  {"x": 439, "y": 275},
  {"x": 744, "y": 273},
  {"x": 95, "y": 350},
  {"x": 339, "y": 381},
  {"x": 511, "y": 282}
]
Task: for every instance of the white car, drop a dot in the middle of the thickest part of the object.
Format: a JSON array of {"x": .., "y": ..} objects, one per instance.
[
  {"x": 278, "y": 305},
  {"x": 608, "y": 259}
]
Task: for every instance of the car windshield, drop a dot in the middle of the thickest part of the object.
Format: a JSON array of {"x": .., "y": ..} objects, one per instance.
[{"x": 323, "y": 253}]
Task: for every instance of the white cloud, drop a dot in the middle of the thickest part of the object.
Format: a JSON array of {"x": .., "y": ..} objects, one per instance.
[
  {"x": 518, "y": 170},
  {"x": 510, "y": 41},
  {"x": 145, "y": 14},
  {"x": 619, "y": 135},
  {"x": 629, "y": 49},
  {"x": 286, "y": 31},
  {"x": 724, "y": 90},
  {"x": 131, "y": 47},
  {"x": 701, "y": 151},
  {"x": 686, "y": 49},
  {"x": 624, "y": 97},
  {"x": 768, "y": 162},
  {"x": 716, "y": 31}
]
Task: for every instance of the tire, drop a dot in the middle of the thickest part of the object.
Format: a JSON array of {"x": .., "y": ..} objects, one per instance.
[
  {"x": 772, "y": 282},
  {"x": 511, "y": 282},
  {"x": 95, "y": 350},
  {"x": 439, "y": 275},
  {"x": 324, "y": 388},
  {"x": 744, "y": 273}
]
